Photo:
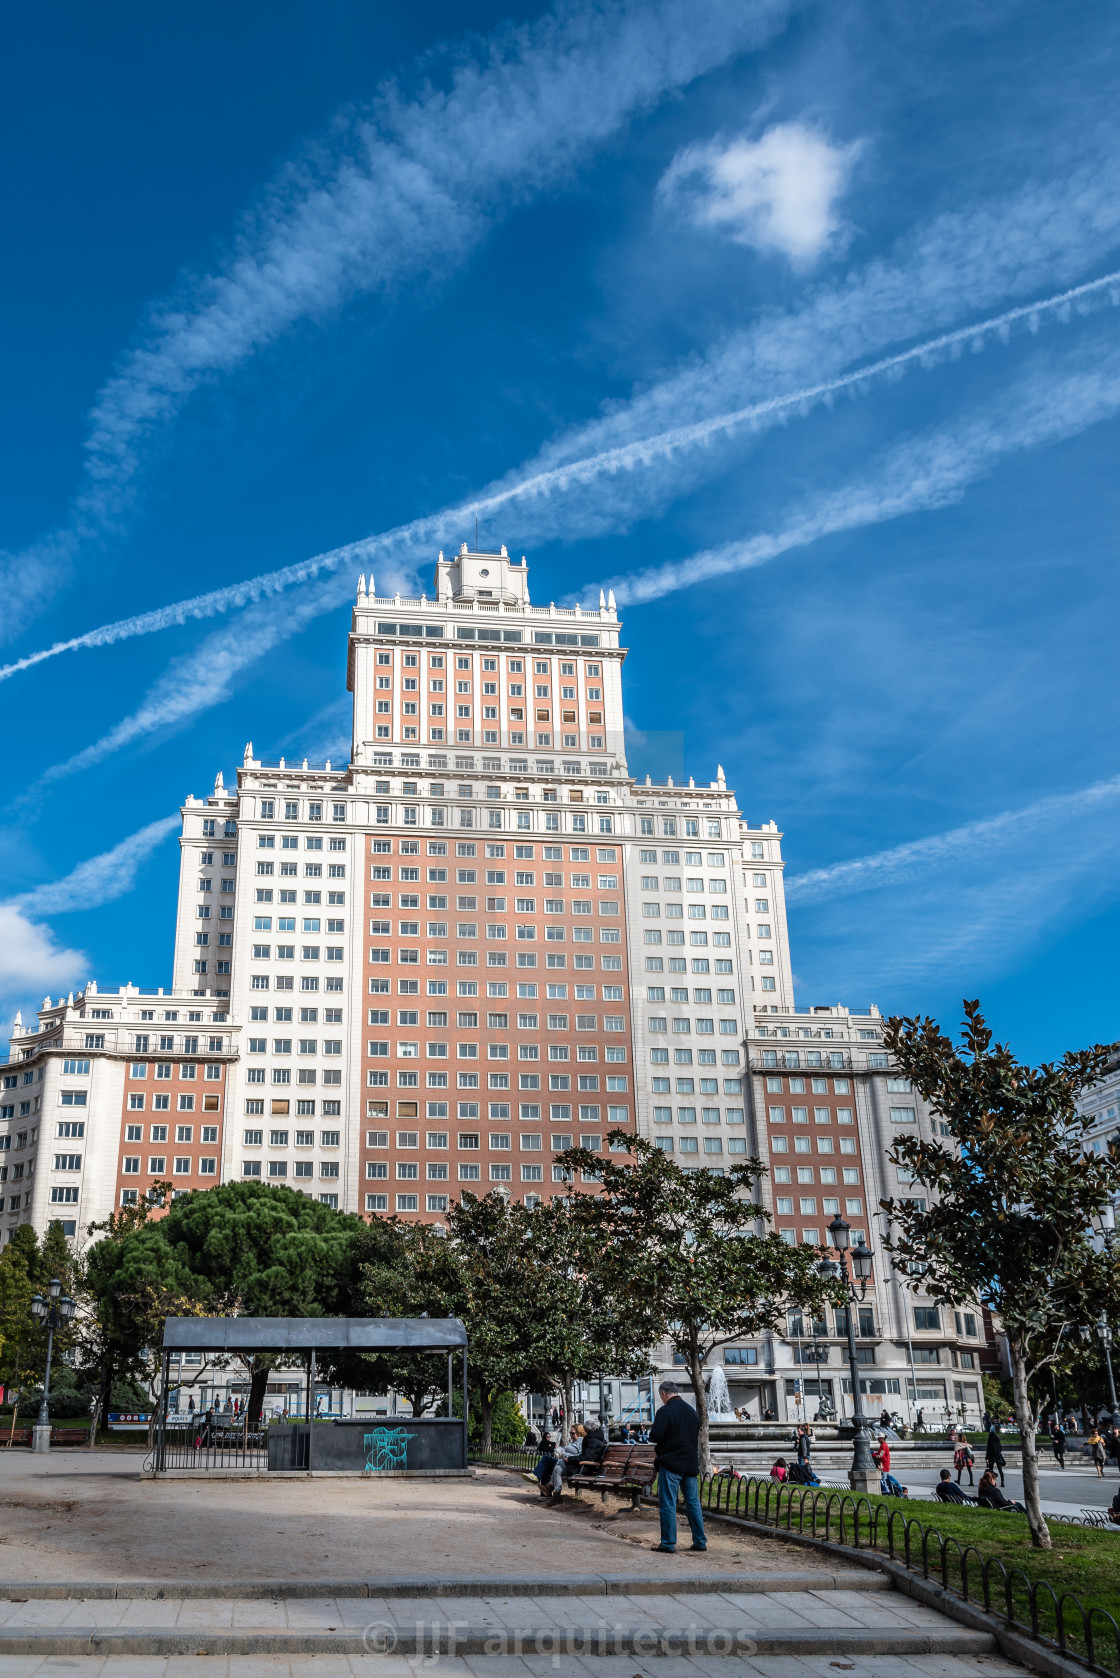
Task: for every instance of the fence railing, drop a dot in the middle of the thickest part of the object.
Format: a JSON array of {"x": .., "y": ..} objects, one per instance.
[
  {"x": 1046, "y": 1613},
  {"x": 203, "y": 1448},
  {"x": 1055, "y": 1618},
  {"x": 505, "y": 1456}
]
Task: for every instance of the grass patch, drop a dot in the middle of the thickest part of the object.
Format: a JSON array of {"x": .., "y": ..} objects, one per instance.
[{"x": 1084, "y": 1561}]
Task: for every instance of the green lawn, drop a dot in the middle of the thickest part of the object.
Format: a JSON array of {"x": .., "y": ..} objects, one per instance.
[{"x": 1084, "y": 1560}]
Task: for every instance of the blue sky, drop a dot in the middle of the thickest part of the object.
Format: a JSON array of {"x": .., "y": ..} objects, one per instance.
[{"x": 796, "y": 323}]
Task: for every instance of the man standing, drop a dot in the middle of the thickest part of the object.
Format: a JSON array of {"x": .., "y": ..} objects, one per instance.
[{"x": 675, "y": 1431}]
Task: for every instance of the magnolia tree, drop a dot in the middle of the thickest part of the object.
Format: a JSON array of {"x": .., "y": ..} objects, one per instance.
[
  {"x": 688, "y": 1251},
  {"x": 1012, "y": 1193}
]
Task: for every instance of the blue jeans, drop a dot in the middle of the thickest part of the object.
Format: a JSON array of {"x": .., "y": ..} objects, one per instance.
[{"x": 667, "y": 1487}]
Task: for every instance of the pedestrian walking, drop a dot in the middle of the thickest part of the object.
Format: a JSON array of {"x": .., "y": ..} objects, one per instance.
[
  {"x": 963, "y": 1461},
  {"x": 1097, "y": 1453},
  {"x": 1112, "y": 1444},
  {"x": 994, "y": 1459},
  {"x": 1058, "y": 1441},
  {"x": 675, "y": 1432},
  {"x": 803, "y": 1440}
]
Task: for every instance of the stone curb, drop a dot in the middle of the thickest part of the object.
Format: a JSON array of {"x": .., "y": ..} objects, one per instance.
[
  {"x": 1010, "y": 1642},
  {"x": 381, "y": 1638},
  {"x": 528, "y": 1584}
]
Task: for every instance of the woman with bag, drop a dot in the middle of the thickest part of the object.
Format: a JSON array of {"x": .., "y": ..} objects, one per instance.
[{"x": 963, "y": 1460}]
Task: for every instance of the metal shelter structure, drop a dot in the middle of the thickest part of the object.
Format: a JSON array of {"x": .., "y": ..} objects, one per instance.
[{"x": 303, "y": 1337}]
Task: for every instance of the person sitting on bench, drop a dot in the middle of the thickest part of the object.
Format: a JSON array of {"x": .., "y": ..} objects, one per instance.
[
  {"x": 989, "y": 1496},
  {"x": 947, "y": 1490}
]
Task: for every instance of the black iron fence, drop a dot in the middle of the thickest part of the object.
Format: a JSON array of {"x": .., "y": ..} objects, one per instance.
[
  {"x": 505, "y": 1456},
  {"x": 1045, "y": 1612},
  {"x": 204, "y": 1447}
]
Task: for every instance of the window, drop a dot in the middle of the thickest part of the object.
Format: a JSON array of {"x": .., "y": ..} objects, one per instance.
[{"x": 927, "y": 1316}]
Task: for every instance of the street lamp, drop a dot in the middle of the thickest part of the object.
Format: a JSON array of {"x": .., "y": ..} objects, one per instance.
[
  {"x": 855, "y": 1263},
  {"x": 50, "y": 1313},
  {"x": 1104, "y": 1335}
]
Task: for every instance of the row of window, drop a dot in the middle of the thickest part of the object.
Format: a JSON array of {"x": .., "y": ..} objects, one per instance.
[
  {"x": 699, "y": 940},
  {"x": 278, "y": 1168},
  {"x": 185, "y": 1103},
  {"x": 158, "y": 1133},
  {"x": 703, "y": 1057},
  {"x": 560, "y": 1112},
  {"x": 287, "y": 923},
  {"x": 182, "y": 1166},
  {"x": 499, "y": 987},
  {"x": 807, "y": 1206},
  {"x": 524, "y": 821},
  {"x": 679, "y": 964},
  {"x": 804, "y": 1145},
  {"x": 684, "y": 1028},
  {"x": 405, "y": 1080},
  {"x": 306, "y": 1075},
  {"x": 500, "y": 1141},
  {"x": 796, "y": 1086},
  {"x": 821, "y": 1115},
  {"x": 687, "y": 1115},
  {"x": 826, "y": 1174},
  {"x": 309, "y": 982},
  {"x": 469, "y": 848},
  {"x": 303, "y": 1138},
  {"x": 188, "y": 1070},
  {"x": 691, "y": 1144}
]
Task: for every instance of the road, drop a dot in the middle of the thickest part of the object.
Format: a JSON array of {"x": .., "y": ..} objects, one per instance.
[{"x": 1065, "y": 1492}]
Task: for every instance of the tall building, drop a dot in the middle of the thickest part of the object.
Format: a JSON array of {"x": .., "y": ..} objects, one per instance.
[
  {"x": 480, "y": 941},
  {"x": 432, "y": 968}
]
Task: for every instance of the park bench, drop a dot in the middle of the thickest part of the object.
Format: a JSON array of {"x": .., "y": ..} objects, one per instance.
[
  {"x": 627, "y": 1468},
  {"x": 69, "y": 1435},
  {"x": 21, "y": 1436}
]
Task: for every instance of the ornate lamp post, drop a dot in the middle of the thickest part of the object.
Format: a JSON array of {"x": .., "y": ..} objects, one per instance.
[
  {"x": 50, "y": 1313},
  {"x": 1105, "y": 1221},
  {"x": 854, "y": 1265}
]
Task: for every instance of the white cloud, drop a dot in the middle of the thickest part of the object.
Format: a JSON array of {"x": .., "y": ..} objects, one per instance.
[
  {"x": 31, "y": 962},
  {"x": 970, "y": 842},
  {"x": 102, "y": 878},
  {"x": 776, "y": 194},
  {"x": 558, "y": 481},
  {"x": 924, "y": 472},
  {"x": 405, "y": 188}
]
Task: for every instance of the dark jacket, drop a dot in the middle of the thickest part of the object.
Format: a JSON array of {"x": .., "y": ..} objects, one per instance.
[
  {"x": 994, "y": 1449},
  {"x": 990, "y": 1497},
  {"x": 594, "y": 1446},
  {"x": 947, "y": 1491},
  {"x": 675, "y": 1430}
]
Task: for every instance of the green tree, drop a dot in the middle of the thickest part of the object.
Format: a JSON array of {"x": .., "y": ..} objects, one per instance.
[
  {"x": 473, "y": 1271},
  {"x": 22, "y": 1341},
  {"x": 579, "y": 1323},
  {"x": 683, "y": 1250},
  {"x": 1011, "y": 1196},
  {"x": 244, "y": 1249}
]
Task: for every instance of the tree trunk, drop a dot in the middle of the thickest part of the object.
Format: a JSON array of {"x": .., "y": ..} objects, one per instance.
[
  {"x": 101, "y": 1402},
  {"x": 485, "y": 1411},
  {"x": 566, "y": 1396},
  {"x": 696, "y": 1376},
  {"x": 258, "y": 1383},
  {"x": 1036, "y": 1520}
]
